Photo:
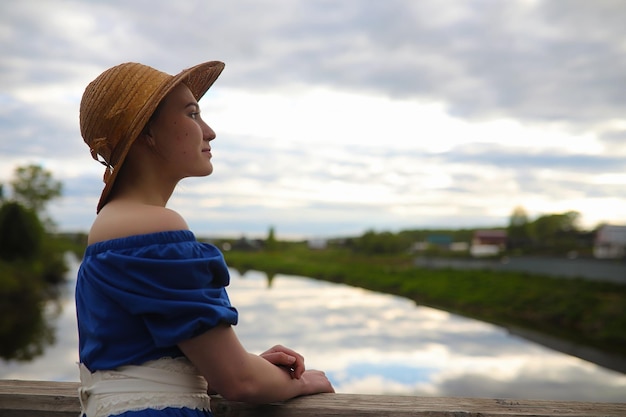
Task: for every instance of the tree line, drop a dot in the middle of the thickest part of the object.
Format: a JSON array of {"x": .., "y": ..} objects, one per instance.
[
  {"x": 24, "y": 221},
  {"x": 31, "y": 262},
  {"x": 550, "y": 234}
]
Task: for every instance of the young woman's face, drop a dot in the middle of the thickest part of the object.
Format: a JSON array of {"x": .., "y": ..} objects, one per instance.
[{"x": 181, "y": 137}]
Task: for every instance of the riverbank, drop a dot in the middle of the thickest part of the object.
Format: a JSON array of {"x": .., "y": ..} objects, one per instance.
[{"x": 588, "y": 313}]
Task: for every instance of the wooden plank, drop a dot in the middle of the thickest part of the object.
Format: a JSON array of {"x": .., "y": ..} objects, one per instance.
[
  {"x": 38, "y": 399},
  {"x": 59, "y": 399},
  {"x": 354, "y": 405}
]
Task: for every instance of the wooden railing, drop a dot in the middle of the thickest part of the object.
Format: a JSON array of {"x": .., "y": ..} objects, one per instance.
[{"x": 59, "y": 399}]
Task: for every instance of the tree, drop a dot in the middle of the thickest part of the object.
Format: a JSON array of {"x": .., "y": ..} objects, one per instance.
[
  {"x": 34, "y": 187},
  {"x": 518, "y": 232},
  {"x": 549, "y": 225},
  {"x": 270, "y": 243},
  {"x": 21, "y": 232},
  {"x": 556, "y": 233},
  {"x": 28, "y": 261},
  {"x": 381, "y": 243}
]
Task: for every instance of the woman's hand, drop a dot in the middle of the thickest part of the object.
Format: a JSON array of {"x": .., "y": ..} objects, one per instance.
[
  {"x": 285, "y": 358},
  {"x": 293, "y": 363},
  {"x": 316, "y": 382}
]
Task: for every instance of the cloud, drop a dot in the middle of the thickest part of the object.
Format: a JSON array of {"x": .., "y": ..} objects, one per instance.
[{"x": 398, "y": 114}]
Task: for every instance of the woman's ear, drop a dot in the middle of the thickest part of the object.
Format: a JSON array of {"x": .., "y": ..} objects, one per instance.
[{"x": 147, "y": 136}]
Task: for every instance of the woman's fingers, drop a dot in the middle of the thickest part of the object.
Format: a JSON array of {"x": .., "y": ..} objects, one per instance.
[{"x": 288, "y": 358}]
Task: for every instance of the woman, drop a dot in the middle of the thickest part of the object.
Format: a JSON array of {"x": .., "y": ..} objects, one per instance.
[{"x": 154, "y": 319}]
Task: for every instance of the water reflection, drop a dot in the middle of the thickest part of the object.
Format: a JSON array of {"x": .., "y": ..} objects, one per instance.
[
  {"x": 27, "y": 309},
  {"x": 372, "y": 343},
  {"x": 56, "y": 346}
]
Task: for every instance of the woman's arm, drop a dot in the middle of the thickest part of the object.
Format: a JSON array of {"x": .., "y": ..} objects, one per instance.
[{"x": 239, "y": 375}]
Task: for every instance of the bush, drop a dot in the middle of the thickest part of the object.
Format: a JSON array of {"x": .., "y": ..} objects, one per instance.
[{"x": 21, "y": 232}]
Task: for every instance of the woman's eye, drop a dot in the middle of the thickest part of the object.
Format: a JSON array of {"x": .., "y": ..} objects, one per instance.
[{"x": 195, "y": 115}]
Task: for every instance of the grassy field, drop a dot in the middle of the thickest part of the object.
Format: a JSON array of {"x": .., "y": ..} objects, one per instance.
[{"x": 586, "y": 312}]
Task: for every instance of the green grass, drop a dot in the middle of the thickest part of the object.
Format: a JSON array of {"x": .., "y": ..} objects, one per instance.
[{"x": 586, "y": 312}]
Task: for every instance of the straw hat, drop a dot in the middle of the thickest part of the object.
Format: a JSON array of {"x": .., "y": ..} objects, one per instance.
[{"x": 117, "y": 105}]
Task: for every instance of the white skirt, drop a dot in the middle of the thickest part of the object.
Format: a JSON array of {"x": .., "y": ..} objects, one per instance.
[{"x": 156, "y": 385}]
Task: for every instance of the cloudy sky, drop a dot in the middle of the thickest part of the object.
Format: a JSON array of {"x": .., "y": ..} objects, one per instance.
[{"x": 334, "y": 117}]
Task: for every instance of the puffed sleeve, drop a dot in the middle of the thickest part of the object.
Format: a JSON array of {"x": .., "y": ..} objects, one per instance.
[{"x": 177, "y": 289}]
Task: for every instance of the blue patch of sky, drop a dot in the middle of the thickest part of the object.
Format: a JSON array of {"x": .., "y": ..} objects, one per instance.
[{"x": 395, "y": 372}]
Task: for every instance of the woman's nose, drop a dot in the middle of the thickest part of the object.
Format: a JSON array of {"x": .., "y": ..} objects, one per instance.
[{"x": 207, "y": 132}]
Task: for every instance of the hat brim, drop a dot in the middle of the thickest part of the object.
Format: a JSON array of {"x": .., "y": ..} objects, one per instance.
[{"x": 198, "y": 78}]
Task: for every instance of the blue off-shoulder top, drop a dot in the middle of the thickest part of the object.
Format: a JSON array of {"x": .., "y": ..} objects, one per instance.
[{"x": 138, "y": 296}]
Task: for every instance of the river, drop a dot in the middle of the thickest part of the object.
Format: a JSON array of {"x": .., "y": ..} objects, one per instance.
[{"x": 372, "y": 343}]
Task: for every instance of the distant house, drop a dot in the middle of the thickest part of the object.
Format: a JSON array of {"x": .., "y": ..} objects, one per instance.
[
  {"x": 244, "y": 243},
  {"x": 317, "y": 243},
  {"x": 488, "y": 242},
  {"x": 459, "y": 246},
  {"x": 610, "y": 242},
  {"x": 439, "y": 241}
]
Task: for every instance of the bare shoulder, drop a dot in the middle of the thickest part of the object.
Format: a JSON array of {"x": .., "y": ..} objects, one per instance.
[{"x": 129, "y": 219}]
